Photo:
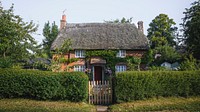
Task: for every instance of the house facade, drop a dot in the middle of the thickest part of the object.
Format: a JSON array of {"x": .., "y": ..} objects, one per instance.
[{"x": 126, "y": 39}]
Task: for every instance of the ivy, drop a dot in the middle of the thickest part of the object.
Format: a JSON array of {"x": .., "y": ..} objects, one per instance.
[
  {"x": 59, "y": 60},
  {"x": 64, "y": 60},
  {"x": 111, "y": 59},
  {"x": 102, "y": 53},
  {"x": 108, "y": 55}
]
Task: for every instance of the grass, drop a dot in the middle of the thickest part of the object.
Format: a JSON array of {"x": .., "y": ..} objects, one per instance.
[
  {"x": 27, "y": 105},
  {"x": 191, "y": 104}
]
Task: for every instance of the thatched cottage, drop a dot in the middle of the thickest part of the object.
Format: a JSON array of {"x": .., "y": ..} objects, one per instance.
[{"x": 127, "y": 39}]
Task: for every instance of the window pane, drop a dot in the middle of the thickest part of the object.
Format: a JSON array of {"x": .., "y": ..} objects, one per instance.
[
  {"x": 121, "y": 53},
  {"x": 79, "y": 68},
  {"x": 79, "y": 53},
  {"x": 120, "y": 68}
]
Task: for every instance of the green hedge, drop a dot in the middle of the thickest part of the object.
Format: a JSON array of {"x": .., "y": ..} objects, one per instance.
[
  {"x": 43, "y": 85},
  {"x": 130, "y": 86}
]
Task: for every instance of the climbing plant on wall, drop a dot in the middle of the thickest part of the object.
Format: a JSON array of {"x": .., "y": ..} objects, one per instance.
[{"x": 111, "y": 59}]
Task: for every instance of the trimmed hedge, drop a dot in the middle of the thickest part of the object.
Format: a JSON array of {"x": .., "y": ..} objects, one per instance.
[
  {"x": 43, "y": 85},
  {"x": 135, "y": 85}
]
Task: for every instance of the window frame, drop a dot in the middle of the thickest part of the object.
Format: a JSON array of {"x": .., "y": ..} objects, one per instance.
[
  {"x": 120, "y": 68},
  {"x": 79, "y": 53},
  {"x": 79, "y": 68},
  {"x": 121, "y": 54}
]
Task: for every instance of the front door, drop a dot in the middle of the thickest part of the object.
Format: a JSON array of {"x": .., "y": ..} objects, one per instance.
[{"x": 97, "y": 73}]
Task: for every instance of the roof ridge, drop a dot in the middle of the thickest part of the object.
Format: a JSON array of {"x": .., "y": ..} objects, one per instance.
[{"x": 96, "y": 24}]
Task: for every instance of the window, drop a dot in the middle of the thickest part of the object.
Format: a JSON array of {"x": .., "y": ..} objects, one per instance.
[
  {"x": 120, "y": 68},
  {"x": 79, "y": 53},
  {"x": 79, "y": 68},
  {"x": 121, "y": 53}
]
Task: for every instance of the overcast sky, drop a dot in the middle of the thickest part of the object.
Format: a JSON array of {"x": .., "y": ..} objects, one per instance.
[{"x": 86, "y": 11}]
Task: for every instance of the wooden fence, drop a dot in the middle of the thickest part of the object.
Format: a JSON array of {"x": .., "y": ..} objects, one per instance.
[{"x": 100, "y": 92}]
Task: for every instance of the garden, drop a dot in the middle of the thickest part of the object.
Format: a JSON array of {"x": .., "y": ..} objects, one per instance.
[{"x": 31, "y": 79}]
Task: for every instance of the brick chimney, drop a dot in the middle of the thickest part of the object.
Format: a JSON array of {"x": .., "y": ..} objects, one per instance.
[
  {"x": 140, "y": 26},
  {"x": 63, "y": 22}
]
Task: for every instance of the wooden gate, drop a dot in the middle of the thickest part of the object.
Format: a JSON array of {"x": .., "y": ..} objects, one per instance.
[{"x": 100, "y": 92}]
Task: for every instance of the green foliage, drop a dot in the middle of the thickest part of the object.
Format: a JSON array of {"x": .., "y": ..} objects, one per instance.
[
  {"x": 6, "y": 62},
  {"x": 50, "y": 33},
  {"x": 40, "y": 65},
  {"x": 148, "y": 57},
  {"x": 158, "y": 41},
  {"x": 133, "y": 63},
  {"x": 161, "y": 34},
  {"x": 157, "y": 68},
  {"x": 110, "y": 56},
  {"x": 43, "y": 85},
  {"x": 191, "y": 28},
  {"x": 189, "y": 63},
  {"x": 64, "y": 60},
  {"x": 168, "y": 54},
  {"x": 123, "y": 20},
  {"x": 76, "y": 86},
  {"x": 103, "y": 53},
  {"x": 60, "y": 56},
  {"x": 65, "y": 47},
  {"x": 15, "y": 35},
  {"x": 162, "y": 31},
  {"x": 56, "y": 64},
  {"x": 130, "y": 86}
]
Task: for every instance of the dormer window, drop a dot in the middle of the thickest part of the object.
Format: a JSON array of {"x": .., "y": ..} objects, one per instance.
[
  {"x": 121, "y": 53},
  {"x": 79, "y": 54}
]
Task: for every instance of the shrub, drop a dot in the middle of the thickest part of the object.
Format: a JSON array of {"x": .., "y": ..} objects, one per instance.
[
  {"x": 43, "y": 85},
  {"x": 189, "y": 63},
  {"x": 136, "y": 85},
  {"x": 76, "y": 86},
  {"x": 6, "y": 62}
]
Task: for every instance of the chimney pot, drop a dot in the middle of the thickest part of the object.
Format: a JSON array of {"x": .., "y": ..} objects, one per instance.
[{"x": 64, "y": 17}]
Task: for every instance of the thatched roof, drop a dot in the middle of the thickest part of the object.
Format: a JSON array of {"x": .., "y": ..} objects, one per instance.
[{"x": 102, "y": 36}]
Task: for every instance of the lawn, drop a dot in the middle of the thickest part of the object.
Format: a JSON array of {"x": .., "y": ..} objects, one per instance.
[
  {"x": 191, "y": 104},
  {"x": 27, "y": 105}
]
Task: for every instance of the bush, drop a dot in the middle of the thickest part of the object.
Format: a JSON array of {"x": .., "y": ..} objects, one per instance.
[
  {"x": 135, "y": 85},
  {"x": 43, "y": 85},
  {"x": 6, "y": 62}
]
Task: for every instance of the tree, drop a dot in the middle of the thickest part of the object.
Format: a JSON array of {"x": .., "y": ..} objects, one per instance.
[
  {"x": 50, "y": 33},
  {"x": 162, "y": 31},
  {"x": 191, "y": 28},
  {"x": 167, "y": 53},
  {"x": 16, "y": 39},
  {"x": 123, "y": 20},
  {"x": 189, "y": 63}
]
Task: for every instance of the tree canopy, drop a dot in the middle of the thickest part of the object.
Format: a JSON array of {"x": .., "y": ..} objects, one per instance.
[
  {"x": 16, "y": 40},
  {"x": 123, "y": 20},
  {"x": 191, "y": 28},
  {"x": 162, "y": 31},
  {"x": 50, "y": 33},
  {"x": 161, "y": 54}
]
